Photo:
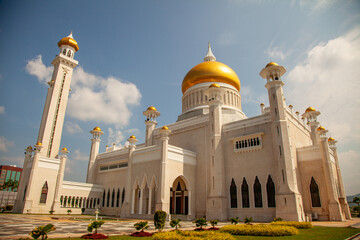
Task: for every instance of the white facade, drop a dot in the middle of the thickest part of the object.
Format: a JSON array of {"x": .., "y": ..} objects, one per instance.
[{"x": 213, "y": 162}]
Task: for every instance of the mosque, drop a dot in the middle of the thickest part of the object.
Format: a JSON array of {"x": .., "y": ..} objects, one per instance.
[{"x": 213, "y": 161}]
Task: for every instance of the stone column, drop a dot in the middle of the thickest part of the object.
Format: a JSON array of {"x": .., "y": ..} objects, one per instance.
[{"x": 59, "y": 180}]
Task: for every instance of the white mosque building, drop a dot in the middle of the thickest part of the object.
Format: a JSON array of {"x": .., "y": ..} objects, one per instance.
[{"x": 213, "y": 161}]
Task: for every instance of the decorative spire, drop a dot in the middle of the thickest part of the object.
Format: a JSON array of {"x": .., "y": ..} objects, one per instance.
[
  {"x": 209, "y": 56},
  {"x": 70, "y": 36}
]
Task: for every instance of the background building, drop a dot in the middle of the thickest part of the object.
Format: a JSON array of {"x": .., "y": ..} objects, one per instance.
[{"x": 8, "y": 195}]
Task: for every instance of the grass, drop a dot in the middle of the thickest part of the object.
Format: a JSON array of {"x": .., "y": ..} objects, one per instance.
[{"x": 316, "y": 233}]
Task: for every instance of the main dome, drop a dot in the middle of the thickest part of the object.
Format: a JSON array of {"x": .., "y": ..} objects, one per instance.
[{"x": 210, "y": 71}]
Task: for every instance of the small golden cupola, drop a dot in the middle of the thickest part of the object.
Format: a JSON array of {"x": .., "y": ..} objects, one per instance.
[{"x": 70, "y": 41}]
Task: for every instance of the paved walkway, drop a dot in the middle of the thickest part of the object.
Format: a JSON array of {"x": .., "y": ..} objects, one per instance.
[{"x": 15, "y": 226}]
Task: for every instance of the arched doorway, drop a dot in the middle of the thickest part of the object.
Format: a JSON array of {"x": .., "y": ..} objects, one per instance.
[{"x": 179, "y": 197}]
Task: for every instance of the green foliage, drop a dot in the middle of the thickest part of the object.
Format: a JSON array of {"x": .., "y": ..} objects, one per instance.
[
  {"x": 9, "y": 208},
  {"x": 235, "y": 220},
  {"x": 51, "y": 211},
  {"x": 299, "y": 225},
  {"x": 69, "y": 211},
  {"x": 214, "y": 222},
  {"x": 42, "y": 231},
  {"x": 95, "y": 225},
  {"x": 200, "y": 222},
  {"x": 11, "y": 184},
  {"x": 141, "y": 225},
  {"x": 193, "y": 235},
  {"x": 159, "y": 219},
  {"x": 248, "y": 220},
  {"x": 260, "y": 230},
  {"x": 175, "y": 223},
  {"x": 277, "y": 219}
]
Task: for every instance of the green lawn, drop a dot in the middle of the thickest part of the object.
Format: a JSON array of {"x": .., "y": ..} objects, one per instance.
[{"x": 316, "y": 233}]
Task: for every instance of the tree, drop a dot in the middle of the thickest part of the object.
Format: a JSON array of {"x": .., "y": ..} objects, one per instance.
[
  {"x": 159, "y": 220},
  {"x": 95, "y": 225},
  {"x": 248, "y": 220},
  {"x": 141, "y": 225},
  {"x": 214, "y": 222},
  {"x": 357, "y": 201},
  {"x": 200, "y": 222},
  {"x": 175, "y": 223},
  {"x": 12, "y": 184},
  {"x": 235, "y": 220},
  {"x": 42, "y": 231}
]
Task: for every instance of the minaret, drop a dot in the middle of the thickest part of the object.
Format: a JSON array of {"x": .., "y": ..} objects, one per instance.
[
  {"x": 287, "y": 193},
  {"x": 151, "y": 114},
  {"x": 130, "y": 192},
  {"x": 311, "y": 115},
  {"x": 94, "y": 151},
  {"x": 56, "y": 100},
  {"x": 216, "y": 207}
]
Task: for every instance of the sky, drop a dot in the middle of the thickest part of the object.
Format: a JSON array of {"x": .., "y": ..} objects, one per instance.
[{"x": 135, "y": 54}]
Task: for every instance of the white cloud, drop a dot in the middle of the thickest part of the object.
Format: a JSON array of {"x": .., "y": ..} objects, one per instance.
[
  {"x": 2, "y": 109},
  {"x": 17, "y": 160},
  {"x": 93, "y": 97},
  {"x": 133, "y": 131},
  {"x": 5, "y": 144},
  {"x": 350, "y": 167},
  {"x": 115, "y": 136},
  {"x": 37, "y": 68},
  {"x": 72, "y": 128},
  {"x": 275, "y": 53},
  {"x": 77, "y": 155},
  {"x": 328, "y": 81}
]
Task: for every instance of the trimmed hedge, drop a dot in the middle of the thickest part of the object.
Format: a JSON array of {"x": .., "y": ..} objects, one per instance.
[
  {"x": 192, "y": 235},
  {"x": 298, "y": 225},
  {"x": 259, "y": 230}
]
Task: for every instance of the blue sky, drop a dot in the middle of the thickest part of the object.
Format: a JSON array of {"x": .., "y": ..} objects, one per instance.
[{"x": 143, "y": 50}]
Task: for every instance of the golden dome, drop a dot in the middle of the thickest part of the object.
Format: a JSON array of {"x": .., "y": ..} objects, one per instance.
[
  {"x": 210, "y": 71},
  {"x": 29, "y": 148},
  {"x": 133, "y": 137},
  {"x": 271, "y": 64},
  {"x": 290, "y": 106},
  {"x": 310, "y": 109},
  {"x": 331, "y": 139},
  {"x": 297, "y": 112},
  {"x": 64, "y": 149},
  {"x": 152, "y": 108},
  {"x": 321, "y": 128},
  {"x": 262, "y": 104},
  {"x": 38, "y": 143},
  {"x": 69, "y": 40},
  {"x": 165, "y": 128},
  {"x": 97, "y": 129}
]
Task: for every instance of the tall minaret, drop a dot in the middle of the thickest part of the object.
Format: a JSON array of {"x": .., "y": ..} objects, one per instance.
[
  {"x": 151, "y": 113},
  {"x": 56, "y": 100},
  {"x": 288, "y": 198},
  {"x": 94, "y": 151}
]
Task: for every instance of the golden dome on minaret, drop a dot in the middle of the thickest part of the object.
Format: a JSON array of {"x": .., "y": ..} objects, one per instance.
[
  {"x": 133, "y": 137},
  {"x": 210, "y": 71},
  {"x": 310, "y": 109},
  {"x": 152, "y": 108},
  {"x": 97, "y": 129},
  {"x": 69, "y": 40},
  {"x": 271, "y": 64}
]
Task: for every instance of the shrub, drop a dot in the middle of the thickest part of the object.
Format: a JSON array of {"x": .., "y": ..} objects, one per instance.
[
  {"x": 175, "y": 223},
  {"x": 214, "y": 222},
  {"x": 260, "y": 230},
  {"x": 51, "y": 211},
  {"x": 200, "y": 222},
  {"x": 82, "y": 210},
  {"x": 299, "y": 225},
  {"x": 42, "y": 231},
  {"x": 69, "y": 211},
  {"x": 8, "y": 208},
  {"x": 277, "y": 219},
  {"x": 94, "y": 236},
  {"x": 95, "y": 225},
  {"x": 177, "y": 235},
  {"x": 235, "y": 220},
  {"x": 159, "y": 219},
  {"x": 141, "y": 225},
  {"x": 248, "y": 220}
]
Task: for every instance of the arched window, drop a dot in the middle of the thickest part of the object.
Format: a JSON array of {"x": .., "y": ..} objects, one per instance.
[
  {"x": 270, "y": 189},
  {"x": 112, "y": 198},
  {"x": 245, "y": 194},
  {"x": 44, "y": 192},
  {"x": 233, "y": 194},
  {"x": 103, "y": 200},
  {"x": 118, "y": 198},
  {"x": 108, "y": 198},
  {"x": 257, "y": 193},
  {"x": 69, "y": 53},
  {"x": 61, "y": 200},
  {"x": 123, "y": 196},
  {"x": 315, "y": 195},
  {"x": 64, "y": 51}
]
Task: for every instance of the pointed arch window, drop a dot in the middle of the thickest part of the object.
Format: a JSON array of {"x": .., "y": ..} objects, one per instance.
[
  {"x": 123, "y": 196},
  {"x": 315, "y": 195},
  {"x": 270, "y": 190},
  {"x": 245, "y": 194},
  {"x": 118, "y": 198},
  {"x": 112, "y": 198},
  {"x": 103, "y": 200},
  {"x": 233, "y": 194},
  {"x": 108, "y": 198},
  {"x": 257, "y": 193},
  {"x": 44, "y": 192}
]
